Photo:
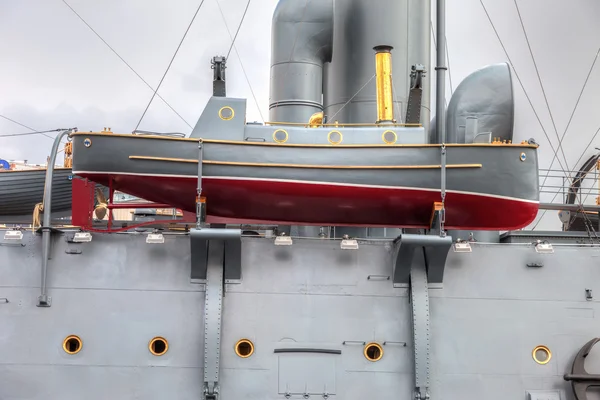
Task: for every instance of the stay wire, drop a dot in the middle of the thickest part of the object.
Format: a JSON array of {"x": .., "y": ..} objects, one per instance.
[
  {"x": 169, "y": 66},
  {"x": 576, "y": 163},
  {"x": 43, "y": 133},
  {"x": 521, "y": 84},
  {"x": 447, "y": 59},
  {"x": 125, "y": 62},
  {"x": 32, "y": 133},
  {"x": 240, "y": 58},
  {"x": 571, "y": 117},
  {"x": 355, "y": 94},
  {"x": 542, "y": 87},
  {"x": 238, "y": 29}
]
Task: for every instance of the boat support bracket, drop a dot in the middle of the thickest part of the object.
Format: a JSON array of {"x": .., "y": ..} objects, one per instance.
[
  {"x": 229, "y": 240},
  {"x": 419, "y": 262},
  {"x": 431, "y": 250},
  {"x": 215, "y": 243}
]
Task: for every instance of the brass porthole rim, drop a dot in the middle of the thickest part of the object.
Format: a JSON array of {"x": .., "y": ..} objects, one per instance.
[
  {"x": 221, "y": 113},
  {"x": 156, "y": 339},
  {"x": 69, "y": 338},
  {"x": 544, "y": 349},
  {"x": 279, "y": 140},
  {"x": 387, "y": 141},
  {"x": 373, "y": 344},
  {"x": 237, "y": 345},
  {"x": 333, "y": 142}
]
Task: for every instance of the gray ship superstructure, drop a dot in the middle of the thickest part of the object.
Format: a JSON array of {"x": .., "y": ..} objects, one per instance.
[{"x": 361, "y": 306}]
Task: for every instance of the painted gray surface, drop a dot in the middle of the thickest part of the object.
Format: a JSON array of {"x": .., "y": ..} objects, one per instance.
[
  {"x": 120, "y": 292},
  {"x": 502, "y": 172},
  {"x": 211, "y": 126},
  {"x": 484, "y": 97},
  {"x": 358, "y": 27},
  {"x": 322, "y": 57},
  {"x": 301, "y": 44},
  {"x": 20, "y": 191}
]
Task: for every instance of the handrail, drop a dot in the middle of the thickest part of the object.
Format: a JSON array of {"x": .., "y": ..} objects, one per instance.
[{"x": 342, "y": 125}]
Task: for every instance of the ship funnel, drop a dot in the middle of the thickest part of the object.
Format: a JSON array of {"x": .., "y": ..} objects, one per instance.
[
  {"x": 383, "y": 73},
  {"x": 301, "y": 43}
]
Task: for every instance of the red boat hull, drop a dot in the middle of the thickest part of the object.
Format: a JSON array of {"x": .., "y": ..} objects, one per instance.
[{"x": 243, "y": 200}]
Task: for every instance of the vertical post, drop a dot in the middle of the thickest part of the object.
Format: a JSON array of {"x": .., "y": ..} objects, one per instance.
[
  {"x": 43, "y": 299},
  {"x": 219, "y": 87},
  {"x": 383, "y": 76},
  {"x": 200, "y": 201},
  {"x": 440, "y": 109},
  {"x": 111, "y": 192}
]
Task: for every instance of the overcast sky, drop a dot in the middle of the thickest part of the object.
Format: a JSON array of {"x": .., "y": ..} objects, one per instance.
[{"x": 54, "y": 72}]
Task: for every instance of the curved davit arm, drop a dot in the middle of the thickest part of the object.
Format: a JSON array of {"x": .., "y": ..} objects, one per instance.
[
  {"x": 481, "y": 108},
  {"x": 301, "y": 43}
]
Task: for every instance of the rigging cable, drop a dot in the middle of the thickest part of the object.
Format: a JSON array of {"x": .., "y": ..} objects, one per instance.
[
  {"x": 169, "y": 66},
  {"x": 238, "y": 54},
  {"x": 447, "y": 60},
  {"x": 33, "y": 131},
  {"x": 521, "y": 83},
  {"x": 238, "y": 29},
  {"x": 447, "y": 55},
  {"x": 449, "y": 73},
  {"x": 565, "y": 132},
  {"x": 560, "y": 147},
  {"x": 582, "y": 153},
  {"x": 542, "y": 87},
  {"x": 125, "y": 62},
  {"x": 571, "y": 118},
  {"x": 355, "y": 94}
]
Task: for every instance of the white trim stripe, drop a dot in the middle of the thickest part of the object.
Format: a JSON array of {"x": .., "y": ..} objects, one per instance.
[{"x": 236, "y": 178}]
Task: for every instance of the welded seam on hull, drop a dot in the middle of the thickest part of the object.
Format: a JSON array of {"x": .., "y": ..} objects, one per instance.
[{"x": 234, "y": 178}]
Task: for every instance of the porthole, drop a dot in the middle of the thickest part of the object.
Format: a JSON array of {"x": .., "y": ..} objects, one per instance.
[
  {"x": 280, "y": 136},
  {"x": 541, "y": 355},
  {"x": 373, "y": 352},
  {"x": 72, "y": 344},
  {"x": 335, "y": 137},
  {"x": 226, "y": 113},
  {"x": 389, "y": 137},
  {"x": 158, "y": 346},
  {"x": 244, "y": 348}
]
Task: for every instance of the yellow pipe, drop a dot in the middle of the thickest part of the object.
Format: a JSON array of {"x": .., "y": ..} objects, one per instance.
[{"x": 383, "y": 72}]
